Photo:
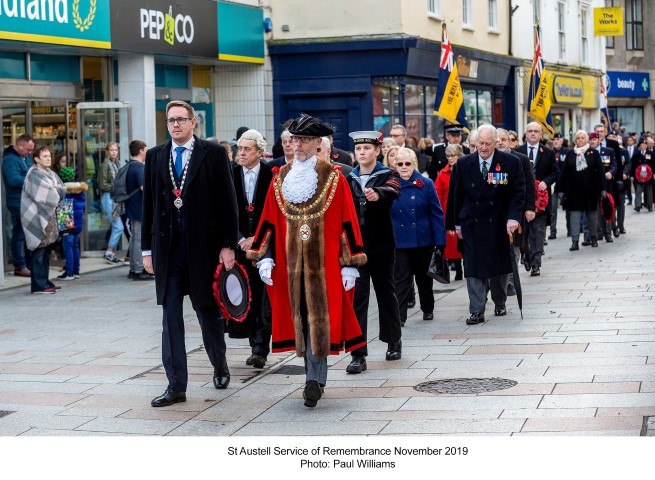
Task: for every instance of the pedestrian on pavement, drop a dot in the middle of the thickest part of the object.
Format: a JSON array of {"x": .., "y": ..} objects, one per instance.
[
  {"x": 16, "y": 162},
  {"x": 489, "y": 196},
  {"x": 418, "y": 224},
  {"x": 287, "y": 147},
  {"x": 252, "y": 178},
  {"x": 308, "y": 244},
  {"x": 399, "y": 133},
  {"x": 71, "y": 240},
  {"x": 560, "y": 154},
  {"x": 133, "y": 209},
  {"x": 190, "y": 214},
  {"x": 438, "y": 152},
  {"x": 374, "y": 187},
  {"x": 108, "y": 170},
  {"x": 389, "y": 159},
  {"x": 545, "y": 171},
  {"x": 42, "y": 192},
  {"x": 643, "y": 166},
  {"x": 583, "y": 183},
  {"x": 610, "y": 167},
  {"x": 453, "y": 249}
]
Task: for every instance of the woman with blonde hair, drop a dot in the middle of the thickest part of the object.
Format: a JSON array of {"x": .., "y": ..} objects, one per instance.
[{"x": 390, "y": 157}]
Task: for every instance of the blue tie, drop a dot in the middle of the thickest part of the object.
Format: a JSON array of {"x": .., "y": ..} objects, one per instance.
[{"x": 178, "y": 160}]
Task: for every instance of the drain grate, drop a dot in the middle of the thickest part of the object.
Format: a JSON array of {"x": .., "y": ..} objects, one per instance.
[
  {"x": 4, "y": 413},
  {"x": 465, "y": 385},
  {"x": 289, "y": 370}
]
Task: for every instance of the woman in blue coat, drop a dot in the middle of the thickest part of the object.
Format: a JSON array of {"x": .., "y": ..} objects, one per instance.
[{"x": 419, "y": 226}]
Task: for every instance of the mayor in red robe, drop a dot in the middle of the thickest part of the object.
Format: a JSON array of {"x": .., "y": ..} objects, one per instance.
[{"x": 308, "y": 246}]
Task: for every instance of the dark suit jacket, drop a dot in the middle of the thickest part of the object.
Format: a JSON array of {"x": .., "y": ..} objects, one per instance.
[
  {"x": 341, "y": 156},
  {"x": 530, "y": 189},
  {"x": 482, "y": 211},
  {"x": 439, "y": 160},
  {"x": 546, "y": 169},
  {"x": 278, "y": 162},
  {"x": 247, "y": 227},
  {"x": 211, "y": 214}
]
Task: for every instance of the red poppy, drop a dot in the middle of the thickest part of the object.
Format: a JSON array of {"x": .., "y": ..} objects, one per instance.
[
  {"x": 419, "y": 183},
  {"x": 498, "y": 167},
  {"x": 250, "y": 208}
]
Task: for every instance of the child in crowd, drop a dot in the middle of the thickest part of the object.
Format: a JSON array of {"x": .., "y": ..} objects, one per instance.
[{"x": 71, "y": 241}]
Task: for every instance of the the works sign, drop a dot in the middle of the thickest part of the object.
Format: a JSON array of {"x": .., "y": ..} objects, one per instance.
[
  {"x": 167, "y": 27},
  {"x": 83, "y": 23}
]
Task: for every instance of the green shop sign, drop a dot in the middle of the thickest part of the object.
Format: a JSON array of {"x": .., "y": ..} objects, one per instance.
[{"x": 82, "y": 23}]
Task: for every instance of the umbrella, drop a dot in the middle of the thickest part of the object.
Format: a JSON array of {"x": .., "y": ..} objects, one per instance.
[{"x": 515, "y": 272}]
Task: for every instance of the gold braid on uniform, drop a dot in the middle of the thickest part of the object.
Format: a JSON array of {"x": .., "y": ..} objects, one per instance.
[{"x": 300, "y": 213}]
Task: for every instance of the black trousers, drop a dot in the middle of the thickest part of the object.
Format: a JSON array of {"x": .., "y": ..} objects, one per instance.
[
  {"x": 174, "y": 355},
  {"x": 413, "y": 262},
  {"x": 380, "y": 269},
  {"x": 259, "y": 316}
]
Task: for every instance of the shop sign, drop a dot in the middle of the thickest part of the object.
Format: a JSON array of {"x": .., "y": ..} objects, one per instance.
[
  {"x": 608, "y": 22},
  {"x": 82, "y": 23},
  {"x": 159, "y": 26},
  {"x": 567, "y": 89},
  {"x": 466, "y": 67},
  {"x": 628, "y": 84}
]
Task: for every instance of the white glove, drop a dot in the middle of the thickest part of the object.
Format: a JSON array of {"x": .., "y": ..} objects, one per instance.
[
  {"x": 348, "y": 277},
  {"x": 265, "y": 267}
]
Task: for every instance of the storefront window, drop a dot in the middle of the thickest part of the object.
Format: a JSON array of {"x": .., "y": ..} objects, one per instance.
[
  {"x": 479, "y": 107},
  {"x": 632, "y": 118}
]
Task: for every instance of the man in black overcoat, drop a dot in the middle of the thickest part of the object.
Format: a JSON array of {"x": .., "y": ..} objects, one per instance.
[
  {"x": 252, "y": 178},
  {"x": 190, "y": 225},
  {"x": 544, "y": 168},
  {"x": 489, "y": 196}
]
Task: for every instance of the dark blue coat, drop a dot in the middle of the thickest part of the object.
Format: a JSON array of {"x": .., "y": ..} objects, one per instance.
[
  {"x": 483, "y": 209},
  {"x": 417, "y": 215}
]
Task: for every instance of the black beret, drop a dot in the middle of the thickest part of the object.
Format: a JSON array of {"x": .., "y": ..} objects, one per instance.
[{"x": 308, "y": 126}]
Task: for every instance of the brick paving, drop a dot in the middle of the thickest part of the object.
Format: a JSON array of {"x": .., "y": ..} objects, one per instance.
[{"x": 86, "y": 361}]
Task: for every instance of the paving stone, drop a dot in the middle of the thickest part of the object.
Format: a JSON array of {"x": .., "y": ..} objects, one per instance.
[
  {"x": 452, "y": 427},
  {"x": 463, "y": 402},
  {"x": 546, "y": 348},
  {"x": 31, "y": 398},
  {"x": 549, "y": 413},
  {"x": 579, "y": 388},
  {"x": 311, "y": 429},
  {"x": 125, "y": 425},
  {"x": 93, "y": 412},
  {"x": 194, "y": 428},
  {"x": 582, "y": 424},
  {"x": 157, "y": 414},
  {"x": 598, "y": 400},
  {"x": 31, "y": 420}
]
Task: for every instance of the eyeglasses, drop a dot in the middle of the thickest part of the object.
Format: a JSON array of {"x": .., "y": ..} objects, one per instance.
[
  {"x": 180, "y": 120},
  {"x": 512, "y": 139},
  {"x": 303, "y": 140},
  {"x": 533, "y": 131},
  {"x": 404, "y": 164},
  {"x": 394, "y": 135}
]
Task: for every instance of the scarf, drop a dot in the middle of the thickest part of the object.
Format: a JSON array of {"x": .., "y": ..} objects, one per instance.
[
  {"x": 580, "y": 161},
  {"x": 42, "y": 191},
  {"x": 301, "y": 182}
]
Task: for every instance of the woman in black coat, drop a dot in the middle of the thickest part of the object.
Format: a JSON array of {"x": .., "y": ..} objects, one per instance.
[{"x": 583, "y": 183}]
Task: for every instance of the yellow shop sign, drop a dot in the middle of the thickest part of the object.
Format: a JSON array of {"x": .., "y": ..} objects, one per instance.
[{"x": 568, "y": 89}]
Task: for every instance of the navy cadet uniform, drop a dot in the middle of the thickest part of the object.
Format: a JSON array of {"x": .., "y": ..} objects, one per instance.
[
  {"x": 482, "y": 207},
  {"x": 438, "y": 153},
  {"x": 379, "y": 245}
]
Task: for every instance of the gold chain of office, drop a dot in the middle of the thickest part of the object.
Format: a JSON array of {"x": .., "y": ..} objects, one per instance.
[
  {"x": 77, "y": 20},
  {"x": 330, "y": 186}
]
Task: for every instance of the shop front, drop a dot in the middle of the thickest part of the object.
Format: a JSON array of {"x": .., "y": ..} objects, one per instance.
[
  {"x": 359, "y": 85},
  {"x": 628, "y": 99}
]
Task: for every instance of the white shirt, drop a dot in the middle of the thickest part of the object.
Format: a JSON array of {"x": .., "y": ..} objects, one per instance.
[
  {"x": 488, "y": 160},
  {"x": 186, "y": 154},
  {"x": 250, "y": 176}
]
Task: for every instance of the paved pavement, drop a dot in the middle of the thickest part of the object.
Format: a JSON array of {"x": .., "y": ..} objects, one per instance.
[{"x": 86, "y": 361}]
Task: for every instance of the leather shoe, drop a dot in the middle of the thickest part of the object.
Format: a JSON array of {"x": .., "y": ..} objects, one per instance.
[
  {"x": 475, "y": 318},
  {"x": 257, "y": 361},
  {"x": 394, "y": 350},
  {"x": 169, "y": 397},
  {"x": 552, "y": 236},
  {"x": 22, "y": 272},
  {"x": 622, "y": 231},
  {"x": 428, "y": 316},
  {"x": 594, "y": 242},
  {"x": 357, "y": 365},
  {"x": 411, "y": 304},
  {"x": 312, "y": 393},
  {"x": 586, "y": 243},
  {"x": 500, "y": 310},
  {"x": 142, "y": 276},
  {"x": 616, "y": 232},
  {"x": 574, "y": 246},
  {"x": 221, "y": 377},
  {"x": 535, "y": 272},
  {"x": 609, "y": 239}
]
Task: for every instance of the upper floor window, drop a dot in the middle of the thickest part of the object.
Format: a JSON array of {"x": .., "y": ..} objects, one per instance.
[
  {"x": 434, "y": 9},
  {"x": 634, "y": 25},
  {"x": 609, "y": 41},
  {"x": 561, "y": 29},
  {"x": 493, "y": 15},
  {"x": 467, "y": 19},
  {"x": 584, "y": 34}
]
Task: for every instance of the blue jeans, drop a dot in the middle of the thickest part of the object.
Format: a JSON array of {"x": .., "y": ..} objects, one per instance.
[
  {"x": 71, "y": 244},
  {"x": 41, "y": 269},
  {"x": 116, "y": 223},
  {"x": 20, "y": 255}
]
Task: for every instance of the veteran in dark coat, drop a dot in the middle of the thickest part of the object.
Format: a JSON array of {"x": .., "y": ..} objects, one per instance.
[
  {"x": 189, "y": 226},
  {"x": 489, "y": 195}
]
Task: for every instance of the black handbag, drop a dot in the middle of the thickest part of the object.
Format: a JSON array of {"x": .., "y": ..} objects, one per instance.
[{"x": 438, "y": 269}]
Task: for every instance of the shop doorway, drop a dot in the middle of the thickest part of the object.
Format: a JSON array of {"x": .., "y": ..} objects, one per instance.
[{"x": 99, "y": 123}]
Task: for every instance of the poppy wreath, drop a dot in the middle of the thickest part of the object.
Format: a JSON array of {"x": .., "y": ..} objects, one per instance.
[
  {"x": 644, "y": 173},
  {"x": 542, "y": 198},
  {"x": 227, "y": 314},
  {"x": 607, "y": 207}
]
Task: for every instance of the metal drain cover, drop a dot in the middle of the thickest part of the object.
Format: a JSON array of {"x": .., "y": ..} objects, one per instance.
[
  {"x": 4, "y": 413},
  {"x": 289, "y": 370},
  {"x": 465, "y": 385}
]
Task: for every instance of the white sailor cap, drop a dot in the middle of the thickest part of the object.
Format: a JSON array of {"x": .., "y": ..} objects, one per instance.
[{"x": 367, "y": 137}]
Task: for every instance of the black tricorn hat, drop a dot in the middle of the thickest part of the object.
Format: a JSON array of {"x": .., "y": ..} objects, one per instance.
[{"x": 308, "y": 126}]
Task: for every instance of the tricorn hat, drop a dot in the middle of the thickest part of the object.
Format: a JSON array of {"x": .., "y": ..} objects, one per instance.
[
  {"x": 367, "y": 136},
  {"x": 308, "y": 126}
]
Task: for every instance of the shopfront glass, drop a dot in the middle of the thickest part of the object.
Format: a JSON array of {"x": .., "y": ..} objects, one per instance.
[
  {"x": 479, "y": 107},
  {"x": 632, "y": 118}
]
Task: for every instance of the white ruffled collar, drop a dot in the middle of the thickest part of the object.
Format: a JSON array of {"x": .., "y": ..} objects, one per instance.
[{"x": 301, "y": 182}]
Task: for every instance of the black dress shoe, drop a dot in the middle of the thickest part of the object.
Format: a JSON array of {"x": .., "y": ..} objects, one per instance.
[
  {"x": 622, "y": 231},
  {"x": 221, "y": 377},
  {"x": 249, "y": 360},
  {"x": 586, "y": 243},
  {"x": 428, "y": 316},
  {"x": 169, "y": 397},
  {"x": 458, "y": 276},
  {"x": 609, "y": 239},
  {"x": 552, "y": 236},
  {"x": 394, "y": 350},
  {"x": 357, "y": 365},
  {"x": 411, "y": 304},
  {"x": 616, "y": 232},
  {"x": 594, "y": 242},
  {"x": 257, "y": 361},
  {"x": 142, "y": 276},
  {"x": 574, "y": 246},
  {"x": 500, "y": 310},
  {"x": 312, "y": 393},
  {"x": 535, "y": 272},
  {"x": 475, "y": 318}
]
